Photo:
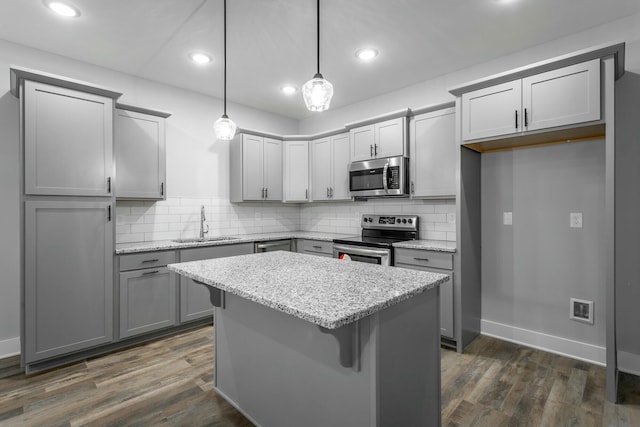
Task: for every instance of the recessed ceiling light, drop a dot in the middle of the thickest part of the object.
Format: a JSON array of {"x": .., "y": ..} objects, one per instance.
[
  {"x": 199, "y": 57},
  {"x": 288, "y": 89},
  {"x": 63, "y": 9},
  {"x": 366, "y": 54}
]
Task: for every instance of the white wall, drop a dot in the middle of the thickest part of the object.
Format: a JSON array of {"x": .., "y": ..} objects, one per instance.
[{"x": 197, "y": 165}]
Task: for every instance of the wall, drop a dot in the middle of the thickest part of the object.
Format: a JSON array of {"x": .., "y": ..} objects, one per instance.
[
  {"x": 197, "y": 165},
  {"x": 532, "y": 268},
  {"x": 627, "y": 229}
]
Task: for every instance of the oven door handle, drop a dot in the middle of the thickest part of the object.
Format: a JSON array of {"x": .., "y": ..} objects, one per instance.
[
  {"x": 360, "y": 251},
  {"x": 385, "y": 184}
]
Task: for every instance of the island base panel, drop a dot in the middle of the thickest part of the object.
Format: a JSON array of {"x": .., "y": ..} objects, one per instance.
[{"x": 283, "y": 371}]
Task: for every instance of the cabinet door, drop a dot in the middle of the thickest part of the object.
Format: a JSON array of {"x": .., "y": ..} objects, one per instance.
[
  {"x": 321, "y": 163},
  {"x": 296, "y": 171},
  {"x": 433, "y": 154},
  {"x": 562, "y": 97},
  {"x": 68, "y": 141},
  {"x": 140, "y": 155},
  {"x": 390, "y": 138},
  {"x": 340, "y": 167},
  {"x": 252, "y": 167},
  {"x": 273, "y": 169},
  {"x": 68, "y": 277},
  {"x": 147, "y": 301},
  {"x": 362, "y": 142},
  {"x": 194, "y": 297},
  {"x": 446, "y": 298},
  {"x": 492, "y": 111}
]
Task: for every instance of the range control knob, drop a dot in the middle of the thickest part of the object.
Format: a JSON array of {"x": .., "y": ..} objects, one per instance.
[
  {"x": 404, "y": 221},
  {"x": 365, "y": 219},
  {"x": 410, "y": 221},
  {"x": 398, "y": 220},
  {"x": 370, "y": 219}
]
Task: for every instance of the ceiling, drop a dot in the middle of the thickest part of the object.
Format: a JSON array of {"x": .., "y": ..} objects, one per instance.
[{"x": 272, "y": 42}]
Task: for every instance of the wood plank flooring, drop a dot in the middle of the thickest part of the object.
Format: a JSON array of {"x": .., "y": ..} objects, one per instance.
[{"x": 169, "y": 383}]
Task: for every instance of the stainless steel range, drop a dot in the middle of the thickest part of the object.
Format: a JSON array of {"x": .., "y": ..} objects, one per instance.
[{"x": 375, "y": 244}]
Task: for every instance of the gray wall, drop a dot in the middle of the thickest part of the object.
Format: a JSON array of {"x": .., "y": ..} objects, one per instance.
[
  {"x": 627, "y": 208},
  {"x": 530, "y": 269}
]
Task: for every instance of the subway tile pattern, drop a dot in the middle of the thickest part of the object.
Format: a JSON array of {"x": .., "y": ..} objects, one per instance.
[{"x": 145, "y": 221}]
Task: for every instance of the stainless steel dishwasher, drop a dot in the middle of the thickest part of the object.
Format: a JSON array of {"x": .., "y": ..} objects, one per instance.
[{"x": 272, "y": 245}]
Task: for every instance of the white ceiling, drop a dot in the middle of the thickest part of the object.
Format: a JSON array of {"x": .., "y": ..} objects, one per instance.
[{"x": 272, "y": 42}]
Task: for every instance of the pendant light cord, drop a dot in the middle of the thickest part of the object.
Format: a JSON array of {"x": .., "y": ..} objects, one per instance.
[
  {"x": 318, "y": 50},
  {"x": 225, "y": 57}
]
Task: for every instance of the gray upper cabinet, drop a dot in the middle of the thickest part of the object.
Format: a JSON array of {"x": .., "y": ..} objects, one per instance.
[
  {"x": 68, "y": 283},
  {"x": 433, "y": 154},
  {"x": 140, "y": 153},
  {"x": 68, "y": 141},
  {"x": 561, "y": 97},
  {"x": 256, "y": 168},
  {"x": 329, "y": 168},
  {"x": 387, "y": 138},
  {"x": 194, "y": 297}
]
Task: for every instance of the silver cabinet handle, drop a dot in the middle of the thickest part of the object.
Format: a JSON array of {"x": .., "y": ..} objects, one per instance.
[
  {"x": 516, "y": 119},
  {"x": 331, "y": 192},
  {"x": 327, "y": 192},
  {"x": 359, "y": 251},
  {"x": 371, "y": 150},
  {"x": 162, "y": 188},
  {"x": 263, "y": 192},
  {"x": 109, "y": 213},
  {"x": 149, "y": 260},
  {"x": 421, "y": 259},
  {"x": 266, "y": 193},
  {"x": 109, "y": 184},
  {"x": 413, "y": 190},
  {"x": 316, "y": 247},
  {"x": 375, "y": 150},
  {"x": 306, "y": 193}
]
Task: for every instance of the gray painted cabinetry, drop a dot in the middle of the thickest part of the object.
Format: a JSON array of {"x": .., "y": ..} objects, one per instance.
[
  {"x": 256, "y": 168},
  {"x": 194, "y": 297},
  {"x": 315, "y": 247},
  {"x": 329, "y": 164},
  {"x": 147, "y": 293},
  {"x": 433, "y": 154},
  {"x": 387, "y": 138},
  {"x": 437, "y": 262},
  {"x": 140, "y": 153},
  {"x": 68, "y": 282}
]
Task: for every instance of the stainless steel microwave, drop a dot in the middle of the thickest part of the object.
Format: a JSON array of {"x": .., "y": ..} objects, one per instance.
[{"x": 379, "y": 177}]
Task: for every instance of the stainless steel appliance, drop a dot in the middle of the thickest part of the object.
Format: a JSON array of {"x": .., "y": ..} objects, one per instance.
[
  {"x": 379, "y": 177},
  {"x": 375, "y": 244},
  {"x": 272, "y": 245}
]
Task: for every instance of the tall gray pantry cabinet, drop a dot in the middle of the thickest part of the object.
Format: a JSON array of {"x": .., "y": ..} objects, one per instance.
[{"x": 66, "y": 137}]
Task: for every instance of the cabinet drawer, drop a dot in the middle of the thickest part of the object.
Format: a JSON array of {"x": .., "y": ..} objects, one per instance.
[
  {"x": 208, "y": 252},
  {"x": 317, "y": 247},
  {"x": 146, "y": 260},
  {"x": 421, "y": 258}
]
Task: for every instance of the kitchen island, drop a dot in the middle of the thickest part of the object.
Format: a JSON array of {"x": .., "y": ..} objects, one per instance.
[{"x": 305, "y": 340}]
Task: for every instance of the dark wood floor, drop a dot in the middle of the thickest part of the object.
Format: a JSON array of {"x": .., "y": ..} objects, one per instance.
[{"x": 168, "y": 383}]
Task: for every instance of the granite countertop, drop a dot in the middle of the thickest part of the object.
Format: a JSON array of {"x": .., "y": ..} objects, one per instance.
[
  {"x": 325, "y": 291},
  {"x": 160, "y": 245},
  {"x": 431, "y": 245}
]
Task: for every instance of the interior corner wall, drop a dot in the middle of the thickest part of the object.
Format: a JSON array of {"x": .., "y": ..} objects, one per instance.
[
  {"x": 532, "y": 268},
  {"x": 627, "y": 179},
  {"x": 197, "y": 164}
]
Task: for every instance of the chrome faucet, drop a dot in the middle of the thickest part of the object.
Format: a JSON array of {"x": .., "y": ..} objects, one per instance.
[{"x": 202, "y": 220}]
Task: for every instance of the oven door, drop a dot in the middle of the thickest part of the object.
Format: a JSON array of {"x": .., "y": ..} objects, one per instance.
[{"x": 363, "y": 254}]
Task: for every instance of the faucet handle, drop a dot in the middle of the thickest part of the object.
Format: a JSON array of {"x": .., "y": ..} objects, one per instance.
[{"x": 207, "y": 231}]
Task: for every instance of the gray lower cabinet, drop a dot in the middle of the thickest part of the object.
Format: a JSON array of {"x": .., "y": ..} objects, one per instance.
[
  {"x": 315, "y": 247},
  {"x": 147, "y": 293},
  {"x": 194, "y": 297},
  {"x": 68, "y": 277},
  {"x": 437, "y": 262}
]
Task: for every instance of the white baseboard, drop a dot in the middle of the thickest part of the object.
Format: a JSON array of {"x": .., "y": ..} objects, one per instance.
[
  {"x": 629, "y": 363},
  {"x": 10, "y": 347},
  {"x": 551, "y": 343}
]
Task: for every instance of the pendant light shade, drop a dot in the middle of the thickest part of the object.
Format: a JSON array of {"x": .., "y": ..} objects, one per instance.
[
  {"x": 224, "y": 127},
  {"x": 318, "y": 91}
]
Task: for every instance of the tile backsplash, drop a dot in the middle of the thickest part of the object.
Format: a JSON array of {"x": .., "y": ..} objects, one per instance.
[{"x": 140, "y": 221}]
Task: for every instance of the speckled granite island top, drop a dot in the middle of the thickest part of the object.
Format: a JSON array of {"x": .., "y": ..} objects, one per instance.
[{"x": 324, "y": 291}]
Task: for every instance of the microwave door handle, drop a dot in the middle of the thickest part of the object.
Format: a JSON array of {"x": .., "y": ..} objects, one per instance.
[{"x": 385, "y": 184}]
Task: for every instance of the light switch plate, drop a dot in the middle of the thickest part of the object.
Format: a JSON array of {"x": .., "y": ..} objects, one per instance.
[
  {"x": 575, "y": 219},
  {"x": 507, "y": 218}
]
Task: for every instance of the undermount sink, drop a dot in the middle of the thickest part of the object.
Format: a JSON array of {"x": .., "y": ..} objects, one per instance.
[{"x": 206, "y": 239}]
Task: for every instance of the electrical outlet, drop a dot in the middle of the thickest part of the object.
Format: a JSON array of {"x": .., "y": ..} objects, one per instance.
[
  {"x": 575, "y": 219},
  {"x": 581, "y": 310},
  {"x": 507, "y": 218}
]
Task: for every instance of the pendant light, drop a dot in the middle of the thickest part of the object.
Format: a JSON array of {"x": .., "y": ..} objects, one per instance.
[
  {"x": 317, "y": 92},
  {"x": 224, "y": 127}
]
